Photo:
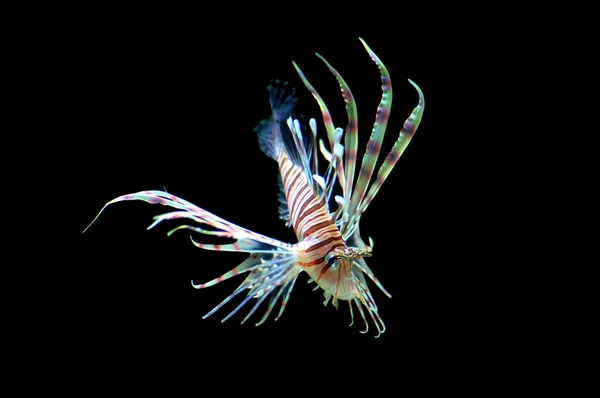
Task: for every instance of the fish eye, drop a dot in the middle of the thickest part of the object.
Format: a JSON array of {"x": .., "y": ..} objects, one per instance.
[{"x": 331, "y": 260}]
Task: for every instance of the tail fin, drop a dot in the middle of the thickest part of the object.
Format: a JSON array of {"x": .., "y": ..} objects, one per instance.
[{"x": 269, "y": 130}]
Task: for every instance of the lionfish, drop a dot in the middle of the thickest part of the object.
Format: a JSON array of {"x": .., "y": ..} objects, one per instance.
[{"x": 329, "y": 249}]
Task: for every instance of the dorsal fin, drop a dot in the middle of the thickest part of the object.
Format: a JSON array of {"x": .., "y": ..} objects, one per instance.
[{"x": 272, "y": 131}]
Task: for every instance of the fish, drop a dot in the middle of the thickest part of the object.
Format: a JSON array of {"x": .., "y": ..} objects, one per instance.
[{"x": 324, "y": 210}]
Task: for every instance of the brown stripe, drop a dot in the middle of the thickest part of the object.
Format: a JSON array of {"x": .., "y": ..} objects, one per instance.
[
  {"x": 310, "y": 211},
  {"x": 306, "y": 202},
  {"x": 325, "y": 233},
  {"x": 316, "y": 227},
  {"x": 311, "y": 263},
  {"x": 297, "y": 197},
  {"x": 324, "y": 242},
  {"x": 323, "y": 270},
  {"x": 304, "y": 216},
  {"x": 286, "y": 174},
  {"x": 309, "y": 221},
  {"x": 289, "y": 187},
  {"x": 293, "y": 197}
]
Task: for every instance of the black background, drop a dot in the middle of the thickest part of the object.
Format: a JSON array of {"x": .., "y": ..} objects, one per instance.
[
  {"x": 159, "y": 101},
  {"x": 114, "y": 100}
]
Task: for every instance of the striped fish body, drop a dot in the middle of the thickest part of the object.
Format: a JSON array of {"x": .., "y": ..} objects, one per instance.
[
  {"x": 307, "y": 211},
  {"x": 316, "y": 231}
]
